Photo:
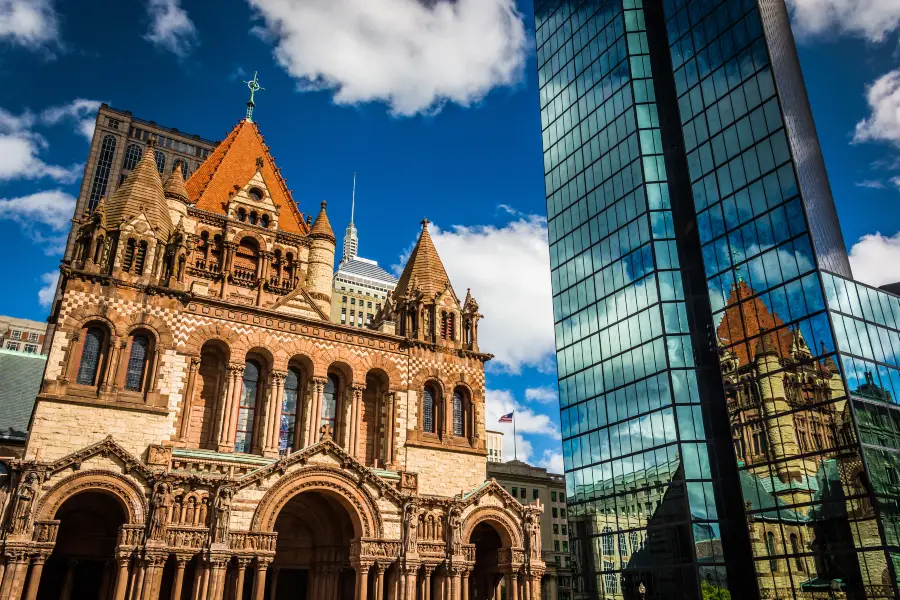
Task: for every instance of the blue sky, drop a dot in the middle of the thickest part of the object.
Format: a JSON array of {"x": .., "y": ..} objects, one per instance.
[{"x": 435, "y": 107}]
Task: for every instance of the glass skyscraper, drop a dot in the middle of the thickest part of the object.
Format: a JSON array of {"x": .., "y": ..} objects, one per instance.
[{"x": 727, "y": 391}]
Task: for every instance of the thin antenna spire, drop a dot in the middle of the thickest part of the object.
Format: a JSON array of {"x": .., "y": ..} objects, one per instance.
[{"x": 353, "y": 200}]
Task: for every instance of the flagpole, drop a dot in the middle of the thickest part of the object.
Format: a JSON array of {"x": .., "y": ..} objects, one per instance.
[{"x": 515, "y": 446}]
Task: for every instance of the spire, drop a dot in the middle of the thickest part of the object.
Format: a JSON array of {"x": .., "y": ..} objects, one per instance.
[
  {"x": 424, "y": 270},
  {"x": 322, "y": 227},
  {"x": 174, "y": 186},
  {"x": 254, "y": 87},
  {"x": 351, "y": 241},
  {"x": 142, "y": 192}
]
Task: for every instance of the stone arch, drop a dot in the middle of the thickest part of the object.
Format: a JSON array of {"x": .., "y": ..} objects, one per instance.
[
  {"x": 299, "y": 347},
  {"x": 153, "y": 323},
  {"x": 337, "y": 484},
  {"x": 206, "y": 333},
  {"x": 509, "y": 531},
  {"x": 432, "y": 375},
  {"x": 240, "y": 235},
  {"x": 125, "y": 491},
  {"x": 380, "y": 361},
  {"x": 82, "y": 315},
  {"x": 347, "y": 364}
]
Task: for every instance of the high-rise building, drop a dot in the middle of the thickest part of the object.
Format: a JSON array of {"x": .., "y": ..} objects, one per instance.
[
  {"x": 495, "y": 446},
  {"x": 528, "y": 484},
  {"x": 726, "y": 389},
  {"x": 360, "y": 286}
]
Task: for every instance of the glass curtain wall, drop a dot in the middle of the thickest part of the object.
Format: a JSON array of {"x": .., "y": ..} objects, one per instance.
[{"x": 642, "y": 496}]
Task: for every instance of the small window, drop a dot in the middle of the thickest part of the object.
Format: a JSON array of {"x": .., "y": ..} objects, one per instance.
[
  {"x": 264, "y": 221},
  {"x": 256, "y": 194},
  {"x": 564, "y": 530},
  {"x": 534, "y": 494},
  {"x": 554, "y": 512},
  {"x": 12, "y": 346},
  {"x": 515, "y": 492},
  {"x": 241, "y": 215},
  {"x": 556, "y": 545},
  {"x": 555, "y": 529},
  {"x": 562, "y": 513},
  {"x": 16, "y": 334},
  {"x": 523, "y": 493},
  {"x": 32, "y": 337},
  {"x": 553, "y": 496},
  {"x": 31, "y": 348},
  {"x": 344, "y": 299}
]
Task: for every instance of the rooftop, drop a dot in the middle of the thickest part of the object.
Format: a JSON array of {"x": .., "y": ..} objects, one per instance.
[{"x": 369, "y": 269}]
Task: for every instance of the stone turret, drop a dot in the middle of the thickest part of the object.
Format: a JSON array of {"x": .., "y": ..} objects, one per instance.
[
  {"x": 321, "y": 261},
  {"x": 176, "y": 195},
  {"x": 142, "y": 194}
]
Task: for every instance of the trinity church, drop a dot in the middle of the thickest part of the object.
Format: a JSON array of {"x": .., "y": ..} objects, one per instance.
[{"x": 205, "y": 431}]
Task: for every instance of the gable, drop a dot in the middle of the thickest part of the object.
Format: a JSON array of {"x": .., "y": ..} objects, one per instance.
[{"x": 229, "y": 168}]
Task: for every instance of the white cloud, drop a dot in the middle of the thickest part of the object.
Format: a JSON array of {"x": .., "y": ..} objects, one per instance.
[
  {"x": 413, "y": 55},
  {"x": 552, "y": 461},
  {"x": 29, "y": 23},
  {"x": 872, "y": 184},
  {"x": 544, "y": 394},
  {"x": 502, "y": 402},
  {"x": 883, "y": 122},
  {"x": 52, "y": 208},
  {"x": 48, "y": 290},
  {"x": 508, "y": 271},
  {"x": 81, "y": 111},
  {"x": 875, "y": 259},
  {"x": 170, "y": 27},
  {"x": 872, "y": 20}
]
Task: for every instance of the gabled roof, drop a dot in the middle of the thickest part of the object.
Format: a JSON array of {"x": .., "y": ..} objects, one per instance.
[
  {"x": 424, "y": 270},
  {"x": 233, "y": 163},
  {"x": 745, "y": 320},
  {"x": 142, "y": 192}
]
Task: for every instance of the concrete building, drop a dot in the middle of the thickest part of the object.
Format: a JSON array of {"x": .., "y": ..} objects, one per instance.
[
  {"x": 726, "y": 389},
  {"x": 535, "y": 484},
  {"x": 22, "y": 335},
  {"x": 204, "y": 425},
  {"x": 360, "y": 286},
  {"x": 495, "y": 446}
]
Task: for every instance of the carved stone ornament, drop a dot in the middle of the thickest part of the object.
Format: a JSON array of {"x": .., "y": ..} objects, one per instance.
[
  {"x": 410, "y": 527},
  {"x": 25, "y": 497},
  {"x": 158, "y": 455},
  {"x": 161, "y": 506},
  {"x": 222, "y": 515}
]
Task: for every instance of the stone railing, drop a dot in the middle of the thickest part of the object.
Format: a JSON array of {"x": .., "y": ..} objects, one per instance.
[
  {"x": 131, "y": 535},
  {"x": 469, "y": 552},
  {"x": 186, "y": 537},
  {"x": 215, "y": 464},
  {"x": 252, "y": 541},
  {"x": 45, "y": 532}
]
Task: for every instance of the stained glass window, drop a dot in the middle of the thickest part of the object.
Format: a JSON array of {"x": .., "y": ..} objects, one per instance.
[
  {"x": 458, "y": 414},
  {"x": 90, "y": 356},
  {"x": 329, "y": 406},
  {"x": 134, "y": 377},
  {"x": 428, "y": 410},
  {"x": 289, "y": 412},
  {"x": 247, "y": 410}
]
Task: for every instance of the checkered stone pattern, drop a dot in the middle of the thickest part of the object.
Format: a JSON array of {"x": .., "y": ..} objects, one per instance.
[
  {"x": 451, "y": 367},
  {"x": 74, "y": 300}
]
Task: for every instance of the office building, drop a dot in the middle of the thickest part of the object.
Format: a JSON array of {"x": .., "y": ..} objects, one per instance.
[
  {"x": 360, "y": 285},
  {"x": 727, "y": 390},
  {"x": 530, "y": 484},
  {"x": 22, "y": 335},
  {"x": 495, "y": 446}
]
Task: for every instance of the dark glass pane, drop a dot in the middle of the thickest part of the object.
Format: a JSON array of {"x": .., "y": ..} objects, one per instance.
[
  {"x": 428, "y": 410},
  {"x": 137, "y": 361},
  {"x": 458, "y": 429},
  {"x": 90, "y": 356}
]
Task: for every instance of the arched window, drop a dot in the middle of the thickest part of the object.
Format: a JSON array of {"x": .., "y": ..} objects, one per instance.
[
  {"x": 133, "y": 154},
  {"x": 770, "y": 548},
  {"x": 243, "y": 440},
  {"x": 428, "y": 410},
  {"x": 98, "y": 250},
  {"x": 623, "y": 545},
  {"x": 253, "y": 218},
  {"x": 91, "y": 353},
  {"x": 137, "y": 363},
  {"x": 241, "y": 215},
  {"x": 451, "y": 326},
  {"x": 329, "y": 405},
  {"x": 160, "y": 161},
  {"x": 608, "y": 544},
  {"x": 289, "y": 412},
  {"x": 256, "y": 194},
  {"x": 264, "y": 221},
  {"x": 128, "y": 257},
  {"x": 459, "y": 412},
  {"x": 246, "y": 259},
  {"x": 795, "y": 550},
  {"x": 445, "y": 326},
  {"x": 101, "y": 175},
  {"x": 140, "y": 258}
]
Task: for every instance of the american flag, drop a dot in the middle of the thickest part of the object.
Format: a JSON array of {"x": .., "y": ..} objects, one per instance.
[{"x": 507, "y": 418}]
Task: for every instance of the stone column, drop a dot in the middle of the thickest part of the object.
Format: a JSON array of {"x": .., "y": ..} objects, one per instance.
[
  {"x": 14, "y": 577},
  {"x": 456, "y": 576},
  {"x": 242, "y": 564},
  {"x": 273, "y": 582},
  {"x": 121, "y": 586},
  {"x": 511, "y": 586},
  {"x": 187, "y": 399},
  {"x": 408, "y": 580},
  {"x": 259, "y": 581},
  {"x": 498, "y": 591},
  {"x": 362, "y": 579},
  {"x": 390, "y": 422},
  {"x": 230, "y": 412},
  {"x": 464, "y": 585},
  {"x": 217, "y": 565},
  {"x": 112, "y": 365},
  {"x": 181, "y": 562},
  {"x": 68, "y": 581},
  {"x": 356, "y": 405},
  {"x": 379, "y": 582},
  {"x": 316, "y": 416},
  {"x": 273, "y": 414},
  {"x": 426, "y": 585},
  {"x": 37, "y": 568}
]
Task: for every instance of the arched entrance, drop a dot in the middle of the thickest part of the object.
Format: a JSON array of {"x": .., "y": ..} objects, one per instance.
[
  {"x": 487, "y": 574},
  {"x": 82, "y": 564},
  {"x": 312, "y": 558}
]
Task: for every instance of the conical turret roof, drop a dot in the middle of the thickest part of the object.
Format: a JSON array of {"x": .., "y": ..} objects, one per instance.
[
  {"x": 322, "y": 227},
  {"x": 174, "y": 187},
  {"x": 142, "y": 192},
  {"x": 424, "y": 270}
]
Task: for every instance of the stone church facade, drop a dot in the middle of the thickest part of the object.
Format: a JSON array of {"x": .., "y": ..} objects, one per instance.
[{"x": 204, "y": 431}]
